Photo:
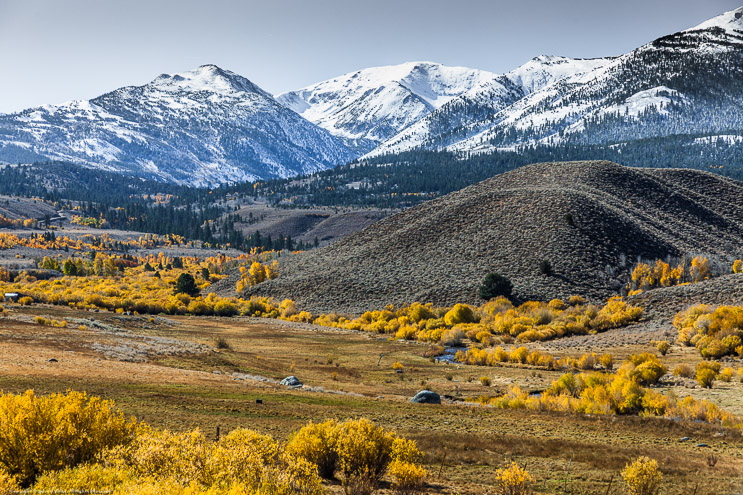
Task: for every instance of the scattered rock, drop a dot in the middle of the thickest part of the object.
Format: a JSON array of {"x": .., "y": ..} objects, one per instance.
[
  {"x": 52, "y": 360},
  {"x": 426, "y": 397},
  {"x": 291, "y": 381}
]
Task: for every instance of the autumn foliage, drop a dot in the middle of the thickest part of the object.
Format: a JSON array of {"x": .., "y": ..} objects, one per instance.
[
  {"x": 358, "y": 449},
  {"x": 39, "y": 434},
  {"x": 73, "y": 443},
  {"x": 715, "y": 331},
  {"x": 496, "y": 321},
  {"x": 623, "y": 392},
  {"x": 642, "y": 476}
]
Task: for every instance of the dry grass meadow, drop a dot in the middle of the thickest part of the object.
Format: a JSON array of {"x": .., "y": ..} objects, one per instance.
[{"x": 184, "y": 372}]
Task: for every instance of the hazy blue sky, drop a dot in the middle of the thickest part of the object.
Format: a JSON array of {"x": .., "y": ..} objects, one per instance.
[{"x": 53, "y": 51}]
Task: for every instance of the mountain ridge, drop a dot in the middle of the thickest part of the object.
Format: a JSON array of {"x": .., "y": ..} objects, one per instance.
[
  {"x": 210, "y": 126},
  {"x": 200, "y": 127}
]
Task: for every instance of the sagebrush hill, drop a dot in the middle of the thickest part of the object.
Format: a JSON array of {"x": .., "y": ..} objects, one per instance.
[{"x": 590, "y": 220}]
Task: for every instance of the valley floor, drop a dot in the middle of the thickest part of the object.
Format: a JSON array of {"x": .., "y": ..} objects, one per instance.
[{"x": 184, "y": 372}]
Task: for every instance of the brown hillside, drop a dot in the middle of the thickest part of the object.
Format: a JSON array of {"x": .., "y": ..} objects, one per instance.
[
  {"x": 590, "y": 220},
  {"x": 666, "y": 302}
]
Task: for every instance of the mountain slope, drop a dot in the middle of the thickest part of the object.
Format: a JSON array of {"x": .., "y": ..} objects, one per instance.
[
  {"x": 440, "y": 251},
  {"x": 200, "y": 127},
  {"x": 473, "y": 111},
  {"x": 373, "y": 104},
  {"x": 688, "y": 83}
]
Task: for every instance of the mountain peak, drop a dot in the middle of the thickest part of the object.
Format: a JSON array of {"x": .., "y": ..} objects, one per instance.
[
  {"x": 207, "y": 77},
  {"x": 546, "y": 69},
  {"x": 729, "y": 21},
  {"x": 376, "y": 103}
]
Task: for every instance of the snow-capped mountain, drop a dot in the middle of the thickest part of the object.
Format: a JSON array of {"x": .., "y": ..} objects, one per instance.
[
  {"x": 546, "y": 69},
  {"x": 211, "y": 126},
  {"x": 688, "y": 83},
  {"x": 473, "y": 111},
  {"x": 200, "y": 127},
  {"x": 372, "y": 105}
]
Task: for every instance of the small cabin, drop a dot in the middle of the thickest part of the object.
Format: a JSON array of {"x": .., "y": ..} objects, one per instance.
[{"x": 12, "y": 296}]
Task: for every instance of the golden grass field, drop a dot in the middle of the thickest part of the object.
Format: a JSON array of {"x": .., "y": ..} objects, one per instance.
[{"x": 463, "y": 443}]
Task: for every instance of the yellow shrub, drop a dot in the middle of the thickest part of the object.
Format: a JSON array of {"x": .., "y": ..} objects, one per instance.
[
  {"x": 364, "y": 449},
  {"x": 83, "y": 478},
  {"x": 513, "y": 480},
  {"x": 198, "y": 307},
  {"x": 648, "y": 372},
  {"x": 699, "y": 269},
  {"x": 287, "y": 308},
  {"x": 8, "y": 483},
  {"x": 163, "y": 455},
  {"x": 663, "y": 346},
  {"x": 225, "y": 308},
  {"x": 25, "y": 301},
  {"x": 39, "y": 434},
  {"x": 706, "y": 377},
  {"x": 607, "y": 361},
  {"x": 519, "y": 355},
  {"x": 460, "y": 313},
  {"x": 587, "y": 362},
  {"x": 715, "y": 332},
  {"x": 242, "y": 458},
  {"x": 408, "y": 478},
  {"x": 405, "y": 450},
  {"x": 419, "y": 312},
  {"x": 727, "y": 374},
  {"x": 452, "y": 337},
  {"x": 557, "y": 304},
  {"x": 316, "y": 443},
  {"x": 642, "y": 476},
  {"x": 576, "y": 301},
  {"x": 407, "y": 332},
  {"x": 683, "y": 370},
  {"x": 616, "y": 313}
]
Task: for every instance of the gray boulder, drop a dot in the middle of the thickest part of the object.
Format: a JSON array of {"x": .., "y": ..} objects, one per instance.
[
  {"x": 291, "y": 381},
  {"x": 426, "y": 397}
]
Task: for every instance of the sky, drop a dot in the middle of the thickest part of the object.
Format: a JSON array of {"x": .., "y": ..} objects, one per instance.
[{"x": 52, "y": 51}]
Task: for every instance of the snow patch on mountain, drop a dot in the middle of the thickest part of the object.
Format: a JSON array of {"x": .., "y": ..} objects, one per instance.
[
  {"x": 546, "y": 69},
  {"x": 729, "y": 21},
  {"x": 722, "y": 138},
  {"x": 657, "y": 99},
  {"x": 377, "y": 103}
]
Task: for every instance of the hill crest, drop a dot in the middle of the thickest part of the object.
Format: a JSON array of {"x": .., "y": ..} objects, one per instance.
[{"x": 589, "y": 220}]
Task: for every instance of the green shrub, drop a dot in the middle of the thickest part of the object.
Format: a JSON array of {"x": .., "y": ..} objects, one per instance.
[
  {"x": 545, "y": 268},
  {"x": 186, "y": 284},
  {"x": 494, "y": 285}
]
